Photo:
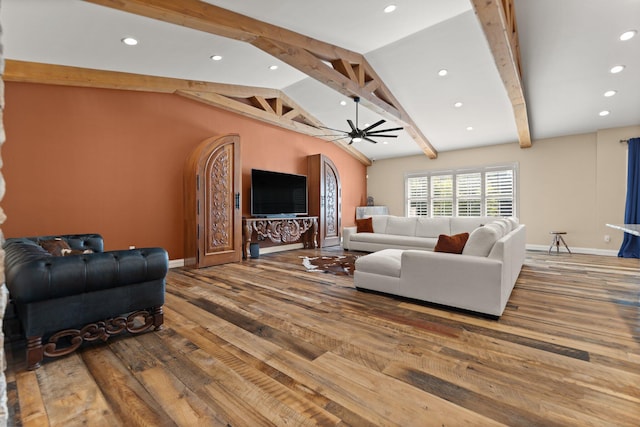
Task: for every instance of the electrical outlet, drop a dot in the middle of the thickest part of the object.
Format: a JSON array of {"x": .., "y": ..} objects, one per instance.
[{"x": 607, "y": 238}]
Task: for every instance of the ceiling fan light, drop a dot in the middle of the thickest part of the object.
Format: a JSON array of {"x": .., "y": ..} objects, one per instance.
[
  {"x": 356, "y": 139},
  {"x": 616, "y": 69},
  {"x": 129, "y": 41},
  {"x": 628, "y": 35}
]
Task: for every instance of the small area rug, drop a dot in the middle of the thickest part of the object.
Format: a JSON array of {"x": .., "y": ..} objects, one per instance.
[{"x": 342, "y": 265}]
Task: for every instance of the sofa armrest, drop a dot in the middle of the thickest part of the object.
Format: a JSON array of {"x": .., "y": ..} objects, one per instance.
[
  {"x": 50, "y": 277},
  {"x": 346, "y": 236},
  {"x": 469, "y": 282}
]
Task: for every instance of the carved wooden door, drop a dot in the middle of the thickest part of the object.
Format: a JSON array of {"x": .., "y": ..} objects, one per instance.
[
  {"x": 325, "y": 199},
  {"x": 213, "y": 223}
]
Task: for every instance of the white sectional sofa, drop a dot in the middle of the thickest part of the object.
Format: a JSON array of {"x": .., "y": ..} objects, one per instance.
[
  {"x": 480, "y": 279},
  {"x": 395, "y": 232}
]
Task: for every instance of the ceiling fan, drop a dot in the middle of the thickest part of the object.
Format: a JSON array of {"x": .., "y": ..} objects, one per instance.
[{"x": 356, "y": 134}]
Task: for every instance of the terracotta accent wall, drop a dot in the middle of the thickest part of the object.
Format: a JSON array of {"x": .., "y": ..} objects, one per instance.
[{"x": 81, "y": 160}]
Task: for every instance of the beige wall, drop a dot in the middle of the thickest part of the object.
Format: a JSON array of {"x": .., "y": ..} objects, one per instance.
[{"x": 575, "y": 183}]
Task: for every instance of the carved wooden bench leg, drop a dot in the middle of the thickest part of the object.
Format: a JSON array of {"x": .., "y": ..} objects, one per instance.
[
  {"x": 158, "y": 318},
  {"x": 35, "y": 352}
]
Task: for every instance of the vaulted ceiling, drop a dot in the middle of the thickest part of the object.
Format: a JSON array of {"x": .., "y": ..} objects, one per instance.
[{"x": 550, "y": 83}]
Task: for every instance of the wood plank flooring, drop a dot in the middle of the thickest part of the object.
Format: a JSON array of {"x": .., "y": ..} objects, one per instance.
[{"x": 264, "y": 342}]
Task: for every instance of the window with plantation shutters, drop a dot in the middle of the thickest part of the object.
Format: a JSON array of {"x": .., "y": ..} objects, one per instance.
[
  {"x": 469, "y": 194},
  {"x": 499, "y": 193},
  {"x": 442, "y": 195},
  {"x": 483, "y": 191},
  {"x": 418, "y": 196}
]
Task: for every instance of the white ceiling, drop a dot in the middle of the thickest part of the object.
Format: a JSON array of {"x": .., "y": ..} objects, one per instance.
[{"x": 567, "y": 48}]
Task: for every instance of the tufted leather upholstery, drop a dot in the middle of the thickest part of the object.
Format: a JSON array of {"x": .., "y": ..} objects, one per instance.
[
  {"x": 32, "y": 274},
  {"x": 53, "y": 293}
]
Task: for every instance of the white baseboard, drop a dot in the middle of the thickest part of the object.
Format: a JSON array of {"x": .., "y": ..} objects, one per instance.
[
  {"x": 586, "y": 251},
  {"x": 174, "y": 263},
  {"x": 280, "y": 248}
]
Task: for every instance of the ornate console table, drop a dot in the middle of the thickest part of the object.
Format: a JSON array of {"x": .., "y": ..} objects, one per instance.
[{"x": 280, "y": 231}]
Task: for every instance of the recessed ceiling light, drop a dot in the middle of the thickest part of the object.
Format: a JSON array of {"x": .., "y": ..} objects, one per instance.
[
  {"x": 458, "y": 104},
  {"x": 616, "y": 69},
  {"x": 273, "y": 67},
  {"x": 628, "y": 35},
  {"x": 390, "y": 8},
  {"x": 469, "y": 127},
  {"x": 443, "y": 72},
  {"x": 129, "y": 41},
  {"x": 385, "y": 142},
  {"x": 604, "y": 113},
  {"x": 343, "y": 103},
  {"x": 215, "y": 57},
  {"x": 610, "y": 93}
]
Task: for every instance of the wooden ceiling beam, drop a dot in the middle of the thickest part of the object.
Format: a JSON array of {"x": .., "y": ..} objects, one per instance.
[
  {"x": 259, "y": 103},
  {"x": 498, "y": 21},
  {"x": 349, "y": 73}
]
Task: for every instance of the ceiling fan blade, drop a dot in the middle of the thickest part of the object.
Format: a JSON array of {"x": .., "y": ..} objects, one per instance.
[
  {"x": 383, "y": 130},
  {"x": 370, "y": 140},
  {"x": 353, "y": 128},
  {"x": 335, "y": 130},
  {"x": 376, "y": 124},
  {"x": 383, "y": 136},
  {"x": 338, "y": 139}
]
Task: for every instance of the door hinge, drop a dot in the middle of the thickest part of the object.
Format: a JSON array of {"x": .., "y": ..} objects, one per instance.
[{"x": 237, "y": 200}]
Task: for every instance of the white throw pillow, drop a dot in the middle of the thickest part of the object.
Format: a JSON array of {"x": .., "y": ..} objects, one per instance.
[
  {"x": 507, "y": 225},
  {"x": 481, "y": 241},
  {"x": 500, "y": 228},
  {"x": 514, "y": 222}
]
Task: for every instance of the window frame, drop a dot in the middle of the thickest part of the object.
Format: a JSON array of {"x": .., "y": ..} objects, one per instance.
[{"x": 483, "y": 170}]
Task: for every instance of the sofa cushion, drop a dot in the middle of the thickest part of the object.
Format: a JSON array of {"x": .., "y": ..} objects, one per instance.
[
  {"x": 506, "y": 224},
  {"x": 364, "y": 225},
  {"x": 467, "y": 223},
  {"x": 432, "y": 227},
  {"x": 514, "y": 222},
  {"x": 480, "y": 241},
  {"x": 401, "y": 226},
  {"x": 451, "y": 244},
  {"x": 386, "y": 262},
  {"x": 55, "y": 246},
  {"x": 379, "y": 223},
  {"x": 394, "y": 240}
]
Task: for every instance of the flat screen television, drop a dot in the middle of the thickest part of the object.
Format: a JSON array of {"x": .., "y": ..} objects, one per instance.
[{"x": 277, "y": 194}]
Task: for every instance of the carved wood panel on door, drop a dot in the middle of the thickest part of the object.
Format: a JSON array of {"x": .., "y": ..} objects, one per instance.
[
  {"x": 213, "y": 226},
  {"x": 325, "y": 198}
]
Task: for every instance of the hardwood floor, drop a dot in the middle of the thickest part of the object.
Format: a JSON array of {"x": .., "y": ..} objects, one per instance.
[{"x": 264, "y": 342}]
